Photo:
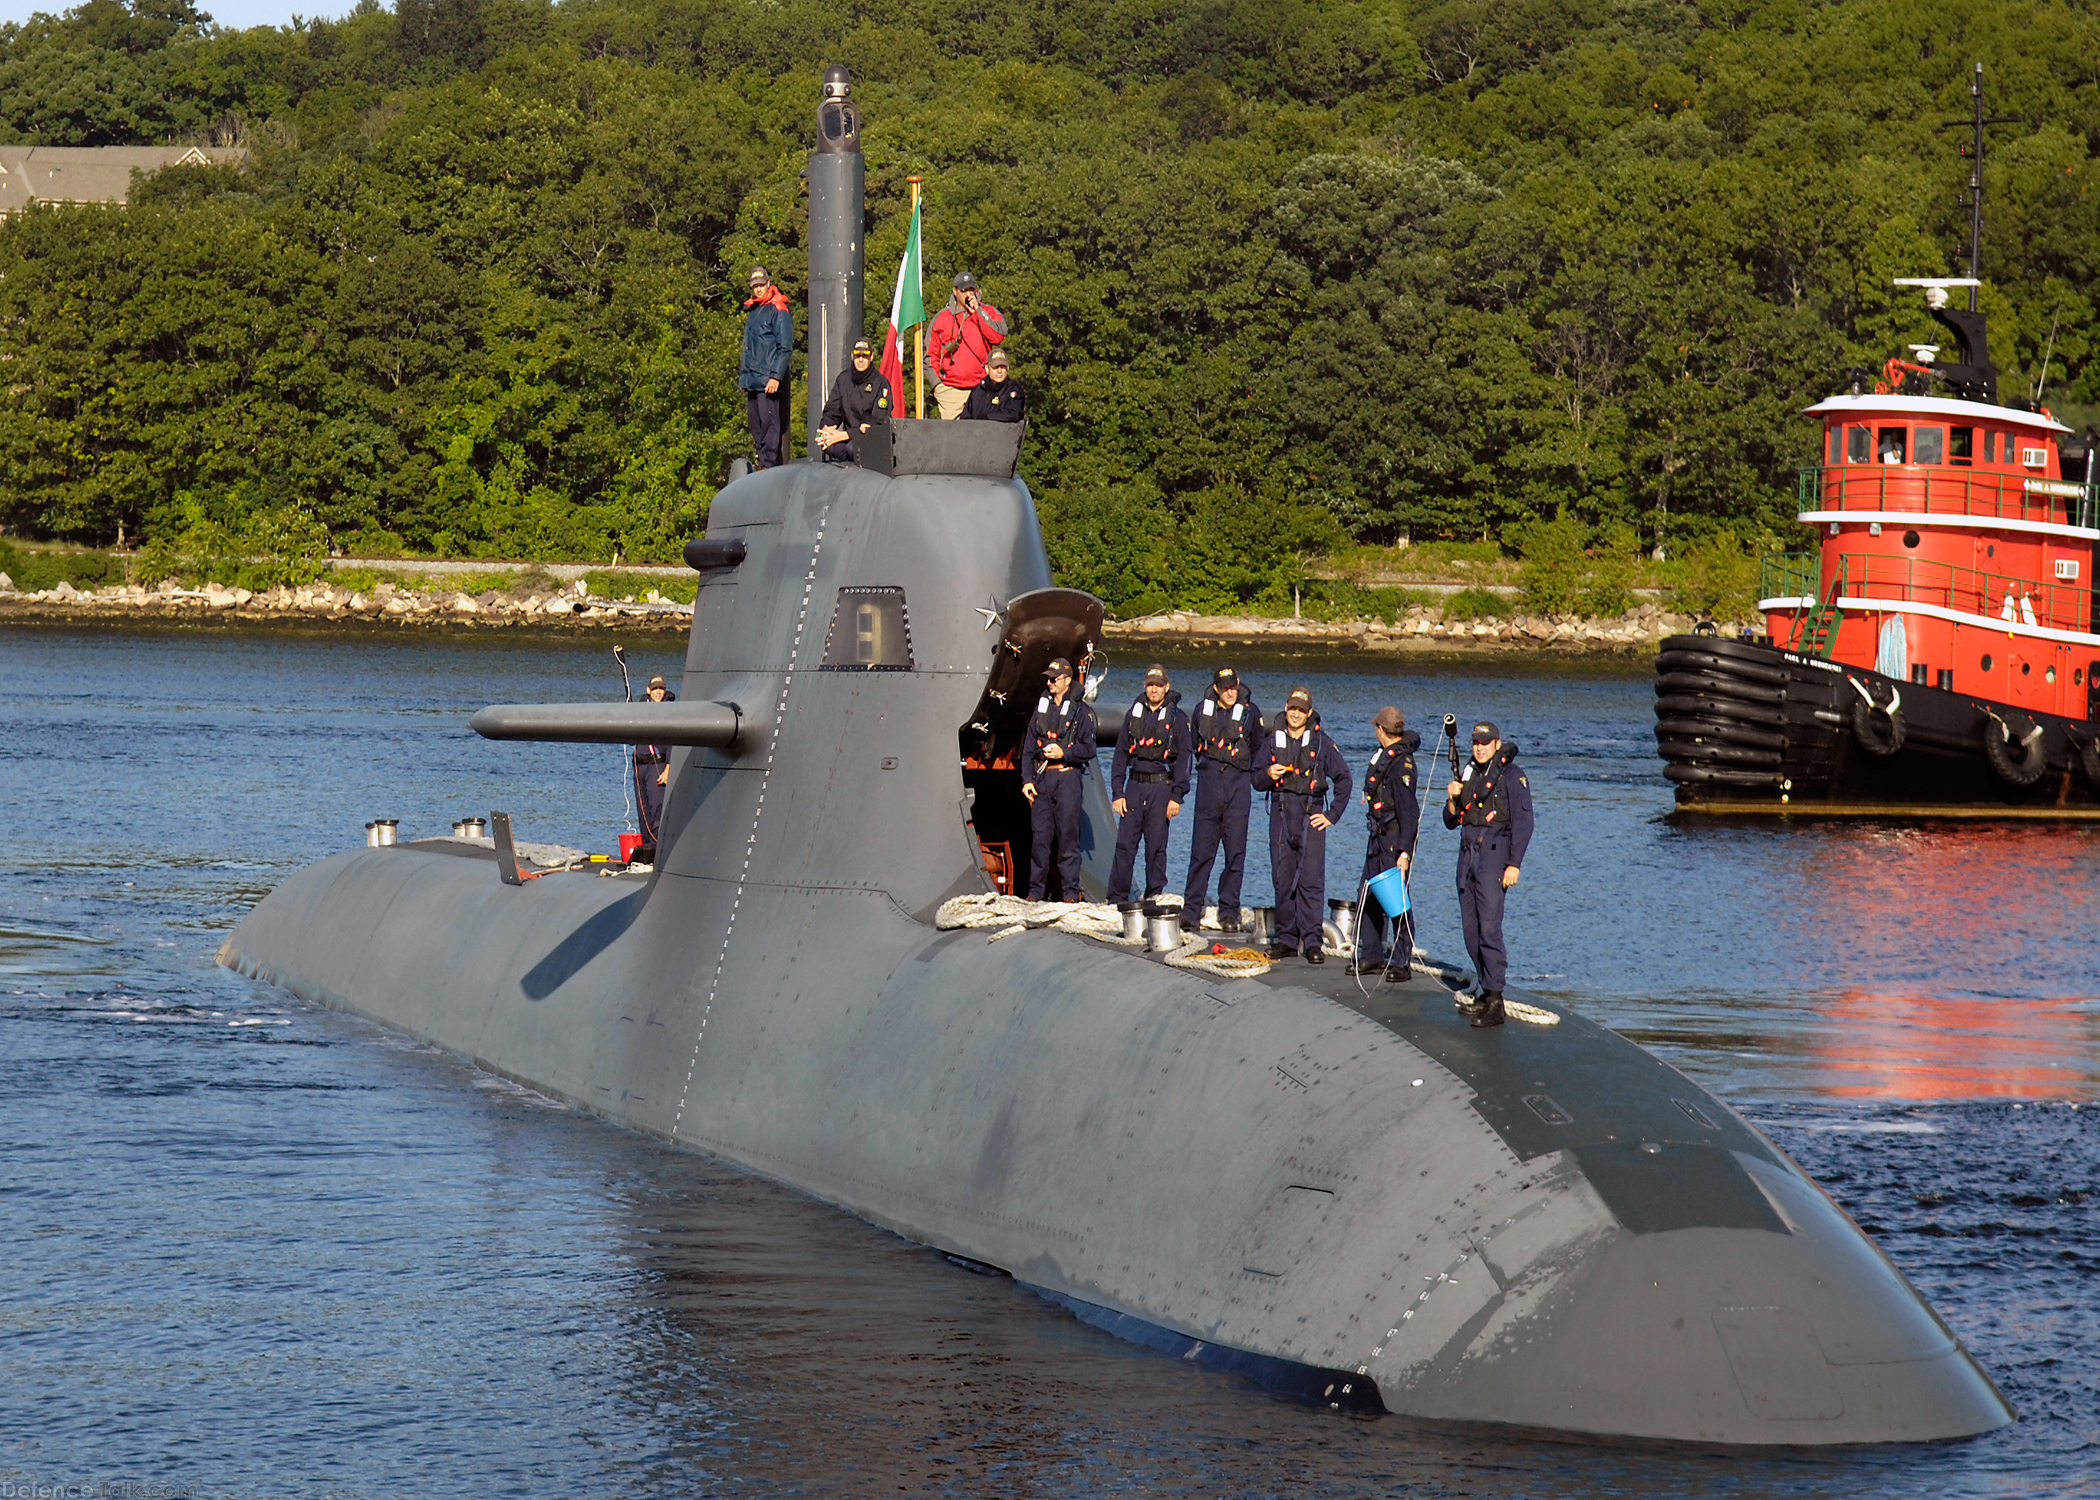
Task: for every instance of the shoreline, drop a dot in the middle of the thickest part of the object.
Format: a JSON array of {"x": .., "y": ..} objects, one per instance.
[{"x": 322, "y": 604}]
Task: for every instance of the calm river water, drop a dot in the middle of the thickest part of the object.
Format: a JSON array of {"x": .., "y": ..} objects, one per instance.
[{"x": 252, "y": 1248}]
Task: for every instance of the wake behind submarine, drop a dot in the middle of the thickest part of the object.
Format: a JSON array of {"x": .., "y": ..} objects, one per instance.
[{"x": 1360, "y": 1199}]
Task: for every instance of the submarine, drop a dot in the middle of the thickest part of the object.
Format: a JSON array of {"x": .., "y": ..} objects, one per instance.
[{"x": 1357, "y": 1198}]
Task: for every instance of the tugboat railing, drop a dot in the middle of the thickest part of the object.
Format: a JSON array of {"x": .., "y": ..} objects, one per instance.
[
  {"x": 1992, "y": 598},
  {"x": 1926, "y": 490}
]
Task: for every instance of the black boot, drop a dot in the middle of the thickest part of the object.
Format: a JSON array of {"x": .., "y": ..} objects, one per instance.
[
  {"x": 1491, "y": 1011},
  {"x": 1315, "y": 956},
  {"x": 1398, "y": 976},
  {"x": 1473, "y": 1004}
]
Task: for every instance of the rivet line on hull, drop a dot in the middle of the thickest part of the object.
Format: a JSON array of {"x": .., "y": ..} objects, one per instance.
[{"x": 765, "y": 781}]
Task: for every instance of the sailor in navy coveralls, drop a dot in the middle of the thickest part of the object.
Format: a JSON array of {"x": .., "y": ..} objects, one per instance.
[
  {"x": 1490, "y": 806},
  {"x": 1299, "y": 766},
  {"x": 1395, "y": 818},
  {"x": 1059, "y": 748},
  {"x": 652, "y": 772},
  {"x": 1227, "y": 735},
  {"x": 1149, "y": 780}
]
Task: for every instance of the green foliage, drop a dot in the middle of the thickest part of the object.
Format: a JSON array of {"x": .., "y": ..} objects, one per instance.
[
  {"x": 1716, "y": 578},
  {"x": 1475, "y": 603},
  {"x": 35, "y": 569},
  {"x": 1283, "y": 278},
  {"x": 228, "y": 539},
  {"x": 619, "y": 584}
]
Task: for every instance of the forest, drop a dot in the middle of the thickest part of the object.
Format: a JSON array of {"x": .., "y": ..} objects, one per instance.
[{"x": 1283, "y": 278}]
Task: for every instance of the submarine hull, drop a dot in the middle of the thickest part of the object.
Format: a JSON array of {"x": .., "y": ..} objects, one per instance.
[{"x": 1541, "y": 1226}]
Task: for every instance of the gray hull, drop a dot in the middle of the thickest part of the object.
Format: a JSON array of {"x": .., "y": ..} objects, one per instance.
[{"x": 1540, "y": 1226}]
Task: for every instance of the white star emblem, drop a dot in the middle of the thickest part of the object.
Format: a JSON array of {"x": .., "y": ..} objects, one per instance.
[{"x": 991, "y": 616}]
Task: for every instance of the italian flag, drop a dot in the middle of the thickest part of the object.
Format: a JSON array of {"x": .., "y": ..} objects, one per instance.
[{"x": 907, "y": 311}]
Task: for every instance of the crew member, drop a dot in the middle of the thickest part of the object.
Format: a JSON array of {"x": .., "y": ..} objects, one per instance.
[
  {"x": 996, "y": 398},
  {"x": 1227, "y": 734},
  {"x": 859, "y": 399},
  {"x": 1149, "y": 779},
  {"x": 652, "y": 772},
  {"x": 1060, "y": 745},
  {"x": 1395, "y": 818},
  {"x": 962, "y": 337},
  {"x": 1490, "y": 806},
  {"x": 769, "y": 348},
  {"x": 1300, "y": 767}
]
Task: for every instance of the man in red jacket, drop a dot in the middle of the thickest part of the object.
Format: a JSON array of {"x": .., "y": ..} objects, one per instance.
[{"x": 963, "y": 335}]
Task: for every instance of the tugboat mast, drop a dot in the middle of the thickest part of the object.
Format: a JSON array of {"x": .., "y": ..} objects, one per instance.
[{"x": 1974, "y": 152}]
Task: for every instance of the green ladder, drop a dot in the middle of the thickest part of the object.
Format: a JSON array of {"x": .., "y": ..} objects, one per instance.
[{"x": 1817, "y": 629}]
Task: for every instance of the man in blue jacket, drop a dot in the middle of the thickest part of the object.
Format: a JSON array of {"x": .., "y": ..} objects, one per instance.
[
  {"x": 1059, "y": 748},
  {"x": 1149, "y": 780},
  {"x": 1301, "y": 769},
  {"x": 769, "y": 349},
  {"x": 1490, "y": 806},
  {"x": 1395, "y": 818},
  {"x": 1227, "y": 736}
]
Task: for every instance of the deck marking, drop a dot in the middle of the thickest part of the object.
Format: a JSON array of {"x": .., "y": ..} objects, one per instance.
[{"x": 765, "y": 782}]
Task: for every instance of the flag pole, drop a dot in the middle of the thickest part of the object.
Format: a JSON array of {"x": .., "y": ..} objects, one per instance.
[{"x": 918, "y": 358}]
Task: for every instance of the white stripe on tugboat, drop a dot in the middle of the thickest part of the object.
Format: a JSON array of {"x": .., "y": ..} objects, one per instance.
[{"x": 1949, "y": 518}]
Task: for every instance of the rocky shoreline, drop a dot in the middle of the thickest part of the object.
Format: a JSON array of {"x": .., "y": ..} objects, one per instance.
[
  {"x": 385, "y": 604},
  {"x": 573, "y": 607},
  {"x": 1639, "y": 629}
]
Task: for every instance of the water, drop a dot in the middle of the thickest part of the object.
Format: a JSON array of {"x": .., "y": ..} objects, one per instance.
[{"x": 250, "y": 1245}]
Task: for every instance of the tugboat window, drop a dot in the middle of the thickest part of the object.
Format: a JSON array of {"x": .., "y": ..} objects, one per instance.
[
  {"x": 870, "y": 632},
  {"x": 1930, "y": 445},
  {"x": 1986, "y": 661},
  {"x": 1837, "y": 444},
  {"x": 1990, "y": 447},
  {"x": 1961, "y": 445},
  {"x": 1859, "y": 445},
  {"x": 1910, "y": 539},
  {"x": 1892, "y": 444}
]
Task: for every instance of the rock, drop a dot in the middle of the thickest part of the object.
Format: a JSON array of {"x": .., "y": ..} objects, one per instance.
[
  {"x": 465, "y": 604},
  {"x": 357, "y": 602},
  {"x": 561, "y": 606},
  {"x": 7, "y": 584},
  {"x": 395, "y": 605},
  {"x": 65, "y": 590}
]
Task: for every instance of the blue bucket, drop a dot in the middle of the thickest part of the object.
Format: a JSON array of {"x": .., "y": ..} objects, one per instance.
[{"x": 1390, "y": 887}]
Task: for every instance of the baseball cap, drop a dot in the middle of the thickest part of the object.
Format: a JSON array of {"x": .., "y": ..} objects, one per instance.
[
  {"x": 657, "y": 682},
  {"x": 1390, "y": 719},
  {"x": 1058, "y": 668},
  {"x": 1155, "y": 673},
  {"x": 862, "y": 346},
  {"x": 996, "y": 357},
  {"x": 965, "y": 282},
  {"x": 1299, "y": 698},
  {"x": 1485, "y": 733},
  {"x": 1224, "y": 677}
]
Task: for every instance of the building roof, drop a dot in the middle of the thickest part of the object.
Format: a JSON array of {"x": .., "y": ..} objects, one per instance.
[{"x": 91, "y": 174}]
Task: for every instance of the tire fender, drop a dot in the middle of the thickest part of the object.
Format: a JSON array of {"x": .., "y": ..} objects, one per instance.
[
  {"x": 2013, "y": 746},
  {"x": 1878, "y": 727}
]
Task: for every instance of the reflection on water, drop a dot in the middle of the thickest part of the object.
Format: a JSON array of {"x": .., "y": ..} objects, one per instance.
[{"x": 252, "y": 1243}]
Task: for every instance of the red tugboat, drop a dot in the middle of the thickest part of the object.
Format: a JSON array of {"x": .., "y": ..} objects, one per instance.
[{"x": 1941, "y": 654}]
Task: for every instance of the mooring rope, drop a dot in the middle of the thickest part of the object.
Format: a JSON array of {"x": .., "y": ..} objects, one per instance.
[{"x": 1091, "y": 919}]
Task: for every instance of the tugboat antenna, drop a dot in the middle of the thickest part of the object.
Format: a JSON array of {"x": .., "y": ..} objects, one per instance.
[{"x": 1976, "y": 122}]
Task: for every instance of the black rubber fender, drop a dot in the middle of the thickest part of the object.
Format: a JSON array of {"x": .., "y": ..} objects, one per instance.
[
  {"x": 1746, "y": 652},
  {"x": 1723, "y": 731},
  {"x": 1879, "y": 729},
  {"x": 1708, "y": 661},
  {"x": 2012, "y": 743},
  {"x": 1714, "y": 682},
  {"x": 1708, "y": 752},
  {"x": 1719, "y": 776},
  {"x": 1720, "y": 708},
  {"x": 2085, "y": 745}
]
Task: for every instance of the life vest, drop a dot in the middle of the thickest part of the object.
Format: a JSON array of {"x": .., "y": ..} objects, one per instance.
[
  {"x": 1225, "y": 736},
  {"x": 1300, "y": 759},
  {"x": 1057, "y": 724},
  {"x": 1391, "y": 776},
  {"x": 1148, "y": 731},
  {"x": 1484, "y": 801}
]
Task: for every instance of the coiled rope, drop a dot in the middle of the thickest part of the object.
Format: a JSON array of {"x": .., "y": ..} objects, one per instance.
[{"x": 1097, "y": 920}]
